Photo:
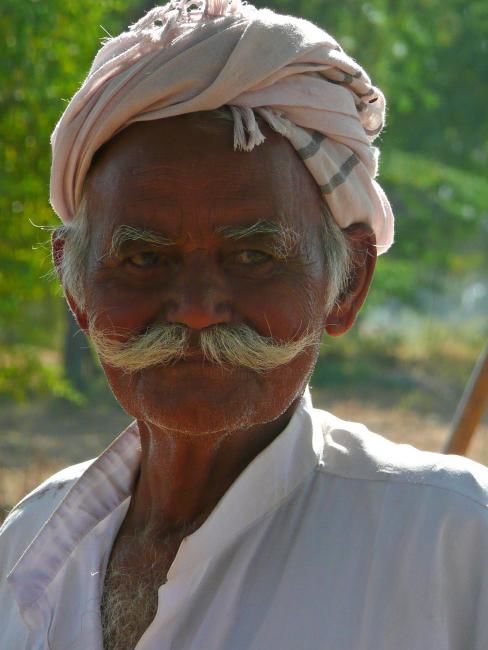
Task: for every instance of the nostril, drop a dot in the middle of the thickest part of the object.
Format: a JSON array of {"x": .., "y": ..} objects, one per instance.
[
  {"x": 199, "y": 296},
  {"x": 197, "y": 314}
]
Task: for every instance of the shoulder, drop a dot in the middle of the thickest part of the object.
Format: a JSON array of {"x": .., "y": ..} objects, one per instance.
[
  {"x": 27, "y": 518},
  {"x": 352, "y": 451},
  {"x": 419, "y": 523}
]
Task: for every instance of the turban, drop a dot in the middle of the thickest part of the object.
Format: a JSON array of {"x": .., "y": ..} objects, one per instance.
[{"x": 295, "y": 76}]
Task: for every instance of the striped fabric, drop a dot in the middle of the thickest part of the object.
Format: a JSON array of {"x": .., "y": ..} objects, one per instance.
[{"x": 292, "y": 74}]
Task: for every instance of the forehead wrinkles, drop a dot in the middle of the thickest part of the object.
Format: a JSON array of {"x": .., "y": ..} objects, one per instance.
[
  {"x": 138, "y": 181},
  {"x": 177, "y": 147},
  {"x": 242, "y": 179}
]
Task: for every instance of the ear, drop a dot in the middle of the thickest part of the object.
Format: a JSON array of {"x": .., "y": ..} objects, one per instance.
[
  {"x": 57, "y": 244},
  {"x": 362, "y": 243}
]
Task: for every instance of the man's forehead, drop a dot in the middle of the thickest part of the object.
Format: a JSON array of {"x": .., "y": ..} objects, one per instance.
[
  {"x": 166, "y": 168},
  {"x": 163, "y": 146}
]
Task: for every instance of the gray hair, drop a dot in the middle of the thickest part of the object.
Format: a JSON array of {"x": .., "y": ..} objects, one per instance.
[{"x": 72, "y": 270}]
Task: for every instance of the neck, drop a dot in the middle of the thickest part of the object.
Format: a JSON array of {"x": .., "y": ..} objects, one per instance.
[{"x": 183, "y": 477}]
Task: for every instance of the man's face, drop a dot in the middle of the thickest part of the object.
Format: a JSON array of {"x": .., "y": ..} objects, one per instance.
[{"x": 180, "y": 180}]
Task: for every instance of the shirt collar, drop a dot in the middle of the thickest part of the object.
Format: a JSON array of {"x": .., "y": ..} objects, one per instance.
[
  {"x": 99, "y": 490},
  {"x": 265, "y": 483}
]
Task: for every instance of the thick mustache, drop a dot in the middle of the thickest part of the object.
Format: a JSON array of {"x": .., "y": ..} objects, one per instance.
[{"x": 224, "y": 345}]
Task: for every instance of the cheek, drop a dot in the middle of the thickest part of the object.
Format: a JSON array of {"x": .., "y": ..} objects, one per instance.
[
  {"x": 124, "y": 387},
  {"x": 284, "y": 307},
  {"x": 115, "y": 308},
  {"x": 286, "y": 310}
]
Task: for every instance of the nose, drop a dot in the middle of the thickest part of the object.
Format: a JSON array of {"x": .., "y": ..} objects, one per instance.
[{"x": 199, "y": 296}]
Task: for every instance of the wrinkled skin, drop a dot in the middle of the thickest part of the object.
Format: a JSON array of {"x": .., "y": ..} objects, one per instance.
[{"x": 181, "y": 178}]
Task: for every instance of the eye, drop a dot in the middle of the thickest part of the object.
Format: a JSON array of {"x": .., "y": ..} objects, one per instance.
[
  {"x": 251, "y": 257},
  {"x": 144, "y": 259}
]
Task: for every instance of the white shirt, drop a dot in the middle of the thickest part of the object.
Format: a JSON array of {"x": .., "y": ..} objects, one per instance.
[{"x": 332, "y": 538}]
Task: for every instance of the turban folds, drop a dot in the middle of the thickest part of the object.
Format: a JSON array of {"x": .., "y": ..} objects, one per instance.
[{"x": 290, "y": 72}]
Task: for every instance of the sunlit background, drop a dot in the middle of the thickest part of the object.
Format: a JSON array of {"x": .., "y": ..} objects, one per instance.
[{"x": 403, "y": 368}]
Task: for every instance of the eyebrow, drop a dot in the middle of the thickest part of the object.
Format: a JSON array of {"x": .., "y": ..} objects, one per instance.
[
  {"x": 285, "y": 238},
  {"x": 124, "y": 234}
]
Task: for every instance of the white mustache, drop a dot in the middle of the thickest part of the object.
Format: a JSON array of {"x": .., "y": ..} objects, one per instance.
[{"x": 224, "y": 345}]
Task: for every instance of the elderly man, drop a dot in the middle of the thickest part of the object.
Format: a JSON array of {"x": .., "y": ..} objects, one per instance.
[{"x": 215, "y": 175}]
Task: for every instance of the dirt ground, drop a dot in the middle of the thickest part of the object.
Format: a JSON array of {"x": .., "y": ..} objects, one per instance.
[{"x": 38, "y": 439}]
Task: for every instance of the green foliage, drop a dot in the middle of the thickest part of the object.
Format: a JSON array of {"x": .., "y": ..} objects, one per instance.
[
  {"x": 441, "y": 226},
  {"x": 49, "y": 46},
  {"x": 26, "y": 374}
]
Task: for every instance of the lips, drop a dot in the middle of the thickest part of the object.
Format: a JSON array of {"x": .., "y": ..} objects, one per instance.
[{"x": 194, "y": 354}]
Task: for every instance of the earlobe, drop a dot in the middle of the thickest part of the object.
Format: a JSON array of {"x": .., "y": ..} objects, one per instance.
[
  {"x": 362, "y": 243},
  {"x": 57, "y": 246},
  {"x": 339, "y": 319}
]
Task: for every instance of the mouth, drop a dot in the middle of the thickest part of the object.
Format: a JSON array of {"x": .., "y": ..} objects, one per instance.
[
  {"x": 194, "y": 355},
  {"x": 194, "y": 358}
]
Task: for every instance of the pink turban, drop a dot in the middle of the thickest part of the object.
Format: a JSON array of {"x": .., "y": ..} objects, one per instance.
[{"x": 287, "y": 70}]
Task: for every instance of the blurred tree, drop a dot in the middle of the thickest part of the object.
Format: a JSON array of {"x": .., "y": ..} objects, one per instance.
[{"x": 49, "y": 46}]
